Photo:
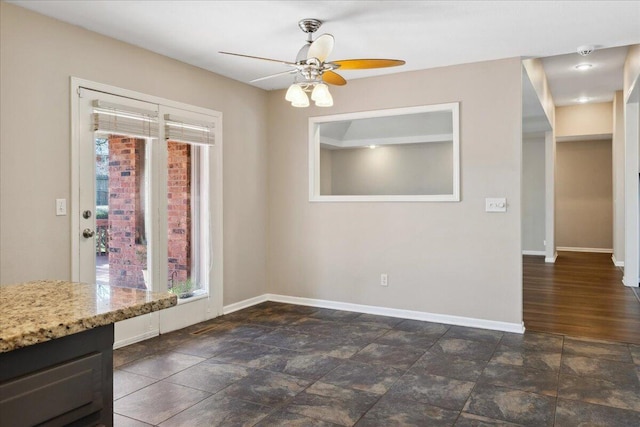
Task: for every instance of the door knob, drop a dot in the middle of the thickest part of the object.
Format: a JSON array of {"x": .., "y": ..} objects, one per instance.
[{"x": 87, "y": 232}]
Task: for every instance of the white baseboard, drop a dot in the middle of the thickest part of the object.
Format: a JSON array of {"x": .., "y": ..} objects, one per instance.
[
  {"x": 382, "y": 311},
  {"x": 616, "y": 262},
  {"x": 537, "y": 253},
  {"x": 595, "y": 250},
  {"x": 244, "y": 304},
  {"x": 551, "y": 259}
]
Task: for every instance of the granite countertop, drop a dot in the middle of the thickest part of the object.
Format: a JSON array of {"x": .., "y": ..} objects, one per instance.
[{"x": 39, "y": 311}]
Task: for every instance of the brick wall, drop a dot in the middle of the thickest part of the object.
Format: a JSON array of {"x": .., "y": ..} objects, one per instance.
[
  {"x": 127, "y": 239},
  {"x": 179, "y": 210}
]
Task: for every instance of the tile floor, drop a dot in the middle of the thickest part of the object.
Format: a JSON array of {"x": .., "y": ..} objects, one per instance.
[{"x": 285, "y": 365}]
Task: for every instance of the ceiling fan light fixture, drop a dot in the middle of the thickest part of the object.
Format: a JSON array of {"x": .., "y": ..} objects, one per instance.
[
  {"x": 297, "y": 97},
  {"x": 321, "y": 95},
  {"x": 312, "y": 70}
]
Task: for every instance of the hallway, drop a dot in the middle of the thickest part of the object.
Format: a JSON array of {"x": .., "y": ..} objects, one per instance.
[{"x": 580, "y": 295}]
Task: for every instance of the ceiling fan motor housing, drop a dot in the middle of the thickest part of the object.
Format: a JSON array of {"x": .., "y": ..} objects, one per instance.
[{"x": 309, "y": 25}]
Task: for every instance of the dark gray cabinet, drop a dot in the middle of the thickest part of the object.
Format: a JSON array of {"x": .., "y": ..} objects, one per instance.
[{"x": 66, "y": 381}]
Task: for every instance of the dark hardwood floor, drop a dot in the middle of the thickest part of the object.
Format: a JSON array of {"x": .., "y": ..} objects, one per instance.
[{"x": 581, "y": 295}]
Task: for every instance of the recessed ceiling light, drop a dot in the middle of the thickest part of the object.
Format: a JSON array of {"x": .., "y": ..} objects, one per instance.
[
  {"x": 583, "y": 67},
  {"x": 583, "y": 99}
]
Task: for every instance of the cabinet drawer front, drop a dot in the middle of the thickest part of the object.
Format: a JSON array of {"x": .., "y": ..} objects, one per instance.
[{"x": 71, "y": 389}]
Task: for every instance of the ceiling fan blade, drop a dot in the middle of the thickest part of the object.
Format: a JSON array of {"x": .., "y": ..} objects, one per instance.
[
  {"x": 333, "y": 78},
  {"x": 361, "y": 64},
  {"x": 274, "y": 75},
  {"x": 292, "y": 64},
  {"x": 321, "y": 47}
]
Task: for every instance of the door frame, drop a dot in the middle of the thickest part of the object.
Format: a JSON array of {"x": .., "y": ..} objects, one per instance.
[{"x": 187, "y": 312}]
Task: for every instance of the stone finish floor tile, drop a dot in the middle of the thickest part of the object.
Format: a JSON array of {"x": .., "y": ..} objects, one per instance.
[
  {"x": 391, "y": 412},
  {"x": 375, "y": 379},
  {"x": 128, "y": 354},
  {"x": 122, "y": 421},
  {"x": 266, "y": 388},
  {"x": 472, "y": 420},
  {"x": 284, "y": 338},
  {"x": 336, "y": 315},
  {"x": 158, "y": 402},
  {"x": 432, "y": 389},
  {"x": 617, "y": 372},
  {"x": 289, "y": 419},
  {"x": 333, "y": 404},
  {"x": 218, "y": 411},
  {"x": 252, "y": 355},
  {"x": 597, "y": 349},
  {"x": 535, "y": 341},
  {"x": 570, "y": 413},
  {"x": 400, "y": 338},
  {"x": 599, "y": 391},
  {"x": 464, "y": 349},
  {"x": 335, "y": 346},
  {"x": 204, "y": 346},
  {"x": 210, "y": 375},
  {"x": 309, "y": 366},
  {"x": 388, "y": 355},
  {"x": 362, "y": 331},
  {"x": 533, "y": 380},
  {"x": 527, "y": 358},
  {"x": 474, "y": 334},
  {"x": 520, "y": 407},
  {"x": 429, "y": 328},
  {"x": 126, "y": 382},
  {"x": 238, "y": 331},
  {"x": 161, "y": 365},
  {"x": 375, "y": 320},
  {"x": 282, "y": 364},
  {"x": 449, "y": 366}
]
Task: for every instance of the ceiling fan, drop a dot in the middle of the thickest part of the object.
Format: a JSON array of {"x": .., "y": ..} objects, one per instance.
[{"x": 312, "y": 70}]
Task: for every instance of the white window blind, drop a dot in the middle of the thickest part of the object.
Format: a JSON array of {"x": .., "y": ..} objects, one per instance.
[
  {"x": 188, "y": 130},
  {"x": 124, "y": 120}
]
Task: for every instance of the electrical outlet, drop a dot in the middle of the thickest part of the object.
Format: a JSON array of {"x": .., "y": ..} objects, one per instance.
[{"x": 384, "y": 279}]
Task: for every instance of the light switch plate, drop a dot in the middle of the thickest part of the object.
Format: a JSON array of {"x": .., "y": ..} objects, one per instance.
[
  {"x": 61, "y": 207},
  {"x": 495, "y": 204}
]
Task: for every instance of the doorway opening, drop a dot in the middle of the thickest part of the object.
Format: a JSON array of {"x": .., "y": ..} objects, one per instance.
[{"x": 572, "y": 279}]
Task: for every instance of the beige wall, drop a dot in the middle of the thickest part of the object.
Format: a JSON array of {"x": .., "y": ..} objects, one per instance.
[
  {"x": 392, "y": 169},
  {"x": 631, "y": 69},
  {"x": 448, "y": 258},
  {"x": 533, "y": 194},
  {"x": 584, "y": 204},
  {"x": 38, "y": 56},
  {"x": 538, "y": 78},
  {"x": 585, "y": 119},
  {"x": 617, "y": 148}
]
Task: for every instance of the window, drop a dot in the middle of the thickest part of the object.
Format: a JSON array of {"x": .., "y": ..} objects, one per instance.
[{"x": 187, "y": 201}]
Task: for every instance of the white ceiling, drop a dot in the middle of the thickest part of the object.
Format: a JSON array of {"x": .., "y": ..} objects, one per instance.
[
  {"x": 598, "y": 83},
  {"x": 426, "y": 34}
]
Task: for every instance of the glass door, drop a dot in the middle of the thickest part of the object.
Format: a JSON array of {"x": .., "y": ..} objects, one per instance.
[
  {"x": 149, "y": 207},
  {"x": 115, "y": 139}
]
